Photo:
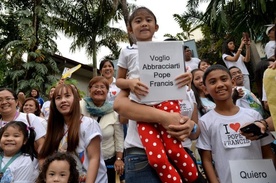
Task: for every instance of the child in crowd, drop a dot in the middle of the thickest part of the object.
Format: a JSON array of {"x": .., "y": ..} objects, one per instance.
[
  {"x": 220, "y": 127},
  {"x": 204, "y": 64},
  {"x": 59, "y": 167},
  {"x": 17, "y": 153},
  {"x": 204, "y": 103},
  {"x": 142, "y": 23}
]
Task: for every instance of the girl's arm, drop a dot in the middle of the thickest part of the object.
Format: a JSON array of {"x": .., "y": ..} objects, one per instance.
[
  {"x": 94, "y": 153},
  {"x": 237, "y": 55},
  {"x": 247, "y": 54},
  {"x": 267, "y": 153},
  {"x": 135, "y": 86},
  {"x": 206, "y": 158}
]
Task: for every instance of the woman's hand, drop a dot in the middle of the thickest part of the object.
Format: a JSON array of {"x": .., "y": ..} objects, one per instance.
[
  {"x": 119, "y": 166},
  {"x": 184, "y": 79},
  {"x": 251, "y": 136},
  {"x": 138, "y": 88}
]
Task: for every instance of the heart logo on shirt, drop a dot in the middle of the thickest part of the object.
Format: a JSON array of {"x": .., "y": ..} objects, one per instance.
[
  {"x": 235, "y": 126},
  {"x": 113, "y": 92}
]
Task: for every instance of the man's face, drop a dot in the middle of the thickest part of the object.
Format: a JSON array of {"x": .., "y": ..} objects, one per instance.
[
  {"x": 237, "y": 76},
  {"x": 187, "y": 54}
]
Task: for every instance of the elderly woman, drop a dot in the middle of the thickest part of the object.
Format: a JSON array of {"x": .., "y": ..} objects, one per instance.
[{"x": 98, "y": 108}]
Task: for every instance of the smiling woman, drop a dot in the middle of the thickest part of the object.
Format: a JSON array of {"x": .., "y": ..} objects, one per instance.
[{"x": 101, "y": 110}]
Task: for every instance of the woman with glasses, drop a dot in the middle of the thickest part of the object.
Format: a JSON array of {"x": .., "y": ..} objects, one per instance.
[
  {"x": 101, "y": 110},
  {"x": 8, "y": 111}
]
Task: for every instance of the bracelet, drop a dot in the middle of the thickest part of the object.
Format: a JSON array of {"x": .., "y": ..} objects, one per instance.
[
  {"x": 265, "y": 123},
  {"x": 239, "y": 49},
  {"x": 194, "y": 129},
  {"x": 119, "y": 159}
]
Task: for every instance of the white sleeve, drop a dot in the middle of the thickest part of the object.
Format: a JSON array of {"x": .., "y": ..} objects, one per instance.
[
  {"x": 39, "y": 129},
  {"x": 24, "y": 172}
]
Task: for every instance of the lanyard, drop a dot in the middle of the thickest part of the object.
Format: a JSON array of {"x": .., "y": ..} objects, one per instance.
[{"x": 9, "y": 162}]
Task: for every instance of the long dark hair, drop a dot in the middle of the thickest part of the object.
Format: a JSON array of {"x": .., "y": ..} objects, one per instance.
[
  {"x": 225, "y": 48},
  {"x": 74, "y": 174},
  {"x": 29, "y": 137},
  {"x": 55, "y": 128}
]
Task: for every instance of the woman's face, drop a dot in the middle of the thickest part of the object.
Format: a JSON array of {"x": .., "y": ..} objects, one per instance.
[
  {"x": 204, "y": 66},
  {"x": 64, "y": 101},
  {"x": 7, "y": 103},
  {"x": 197, "y": 80},
  {"x": 107, "y": 71},
  {"x": 34, "y": 93},
  {"x": 29, "y": 107},
  {"x": 51, "y": 92},
  {"x": 98, "y": 93},
  {"x": 231, "y": 46}
]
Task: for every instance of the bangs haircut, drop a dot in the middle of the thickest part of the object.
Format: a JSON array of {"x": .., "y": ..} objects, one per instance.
[
  {"x": 97, "y": 79},
  {"x": 137, "y": 10}
]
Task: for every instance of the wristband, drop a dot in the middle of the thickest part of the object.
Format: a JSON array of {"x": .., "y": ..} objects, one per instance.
[{"x": 194, "y": 129}]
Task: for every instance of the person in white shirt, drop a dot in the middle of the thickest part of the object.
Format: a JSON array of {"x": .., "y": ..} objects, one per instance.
[
  {"x": 270, "y": 46},
  {"x": 191, "y": 63}
]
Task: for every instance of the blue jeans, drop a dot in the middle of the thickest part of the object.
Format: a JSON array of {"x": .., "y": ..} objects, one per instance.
[{"x": 137, "y": 170}]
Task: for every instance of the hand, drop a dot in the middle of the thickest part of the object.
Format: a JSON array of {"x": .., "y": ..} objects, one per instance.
[
  {"x": 184, "y": 79},
  {"x": 251, "y": 136},
  {"x": 183, "y": 130},
  {"x": 273, "y": 65},
  {"x": 138, "y": 88},
  {"x": 119, "y": 167}
]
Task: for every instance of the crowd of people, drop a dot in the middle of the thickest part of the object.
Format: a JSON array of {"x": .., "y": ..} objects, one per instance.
[{"x": 111, "y": 136}]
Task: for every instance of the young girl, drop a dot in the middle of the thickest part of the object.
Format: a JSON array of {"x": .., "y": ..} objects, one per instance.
[
  {"x": 220, "y": 128},
  {"x": 231, "y": 57},
  {"x": 142, "y": 23},
  {"x": 59, "y": 167},
  {"x": 79, "y": 135},
  {"x": 204, "y": 104},
  {"x": 17, "y": 153},
  {"x": 204, "y": 64}
]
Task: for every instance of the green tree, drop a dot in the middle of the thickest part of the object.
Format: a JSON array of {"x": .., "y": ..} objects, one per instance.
[
  {"x": 88, "y": 23},
  {"x": 32, "y": 41}
]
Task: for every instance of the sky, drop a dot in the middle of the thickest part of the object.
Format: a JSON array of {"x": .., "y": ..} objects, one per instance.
[{"x": 163, "y": 10}]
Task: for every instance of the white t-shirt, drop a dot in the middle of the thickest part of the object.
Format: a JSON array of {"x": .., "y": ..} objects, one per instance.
[
  {"x": 128, "y": 59},
  {"x": 113, "y": 91},
  {"x": 21, "y": 170},
  {"x": 89, "y": 129},
  {"x": 250, "y": 101},
  {"x": 220, "y": 134},
  {"x": 46, "y": 109},
  {"x": 187, "y": 109},
  {"x": 35, "y": 122},
  {"x": 192, "y": 64},
  {"x": 270, "y": 49},
  {"x": 239, "y": 63}
]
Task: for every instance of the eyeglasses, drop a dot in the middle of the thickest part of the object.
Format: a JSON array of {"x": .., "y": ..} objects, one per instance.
[
  {"x": 8, "y": 99},
  {"x": 102, "y": 87}
]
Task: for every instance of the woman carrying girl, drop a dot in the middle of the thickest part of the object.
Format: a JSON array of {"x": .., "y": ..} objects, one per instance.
[
  {"x": 68, "y": 130},
  {"x": 17, "y": 153},
  {"x": 142, "y": 23}
]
